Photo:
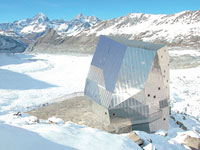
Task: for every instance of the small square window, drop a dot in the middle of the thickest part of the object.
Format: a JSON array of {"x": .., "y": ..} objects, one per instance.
[{"x": 158, "y": 88}]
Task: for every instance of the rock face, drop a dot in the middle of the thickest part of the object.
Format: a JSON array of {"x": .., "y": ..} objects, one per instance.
[
  {"x": 179, "y": 30},
  {"x": 52, "y": 42},
  {"x": 181, "y": 125},
  {"x": 11, "y": 45}
]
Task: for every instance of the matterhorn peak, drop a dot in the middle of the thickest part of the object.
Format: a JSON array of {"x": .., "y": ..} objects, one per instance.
[
  {"x": 79, "y": 16},
  {"x": 40, "y": 17},
  {"x": 41, "y": 14}
]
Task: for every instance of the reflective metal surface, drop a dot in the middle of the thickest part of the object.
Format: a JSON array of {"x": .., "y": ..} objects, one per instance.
[
  {"x": 108, "y": 57},
  {"x": 131, "y": 80},
  {"x": 133, "y": 73}
]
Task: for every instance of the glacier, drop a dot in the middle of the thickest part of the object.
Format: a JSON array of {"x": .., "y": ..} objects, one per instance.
[{"x": 28, "y": 81}]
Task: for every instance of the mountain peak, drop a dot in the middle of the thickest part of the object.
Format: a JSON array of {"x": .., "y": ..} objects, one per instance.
[
  {"x": 41, "y": 14},
  {"x": 79, "y": 16},
  {"x": 86, "y": 19},
  {"x": 40, "y": 17}
]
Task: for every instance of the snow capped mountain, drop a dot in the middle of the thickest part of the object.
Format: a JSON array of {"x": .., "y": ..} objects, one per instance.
[
  {"x": 39, "y": 18},
  {"x": 28, "y": 30},
  {"x": 40, "y": 23},
  {"x": 86, "y": 19},
  {"x": 179, "y": 28},
  {"x": 8, "y": 33},
  {"x": 80, "y": 23},
  {"x": 28, "y": 25},
  {"x": 81, "y": 33},
  {"x": 176, "y": 30}
]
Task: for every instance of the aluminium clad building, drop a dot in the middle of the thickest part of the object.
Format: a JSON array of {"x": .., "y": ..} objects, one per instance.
[{"x": 130, "y": 79}]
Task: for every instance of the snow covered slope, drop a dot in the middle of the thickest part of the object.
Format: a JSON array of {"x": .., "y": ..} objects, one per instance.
[
  {"x": 179, "y": 28},
  {"x": 25, "y": 140},
  {"x": 26, "y": 81},
  {"x": 29, "y": 80},
  {"x": 176, "y": 30},
  {"x": 28, "y": 30}
]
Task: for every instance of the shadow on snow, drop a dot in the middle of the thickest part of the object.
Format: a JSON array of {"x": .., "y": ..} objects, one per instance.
[
  {"x": 17, "y": 81},
  {"x": 23, "y": 139},
  {"x": 15, "y": 59}
]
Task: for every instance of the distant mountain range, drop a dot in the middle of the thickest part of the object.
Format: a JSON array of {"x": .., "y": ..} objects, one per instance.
[{"x": 80, "y": 34}]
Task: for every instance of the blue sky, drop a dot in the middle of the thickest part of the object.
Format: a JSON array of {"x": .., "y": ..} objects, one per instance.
[{"x": 11, "y": 10}]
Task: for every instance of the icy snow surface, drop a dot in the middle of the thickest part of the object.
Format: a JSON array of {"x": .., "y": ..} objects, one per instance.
[{"x": 29, "y": 80}]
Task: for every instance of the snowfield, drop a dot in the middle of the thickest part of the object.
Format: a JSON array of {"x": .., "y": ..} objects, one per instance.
[{"x": 30, "y": 80}]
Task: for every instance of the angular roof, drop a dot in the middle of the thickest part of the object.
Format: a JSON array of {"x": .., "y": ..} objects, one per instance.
[{"x": 134, "y": 43}]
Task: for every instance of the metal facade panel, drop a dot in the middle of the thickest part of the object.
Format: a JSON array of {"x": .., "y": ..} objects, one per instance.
[
  {"x": 162, "y": 122},
  {"x": 140, "y": 97},
  {"x": 133, "y": 73},
  {"x": 131, "y": 102},
  {"x": 134, "y": 101},
  {"x": 96, "y": 74},
  {"x": 105, "y": 97},
  {"x": 142, "y": 127},
  {"x": 134, "y": 70},
  {"x": 135, "y": 113},
  {"x": 92, "y": 90},
  {"x": 154, "y": 88},
  {"x": 108, "y": 56},
  {"x": 130, "y": 108},
  {"x": 137, "y": 44},
  {"x": 163, "y": 103},
  {"x": 118, "y": 98},
  {"x": 163, "y": 56}
]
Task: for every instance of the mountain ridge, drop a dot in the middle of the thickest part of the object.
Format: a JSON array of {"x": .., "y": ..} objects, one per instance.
[
  {"x": 41, "y": 23},
  {"x": 176, "y": 30},
  {"x": 81, "y": 33},
  {"x": 29, "y": 30}
]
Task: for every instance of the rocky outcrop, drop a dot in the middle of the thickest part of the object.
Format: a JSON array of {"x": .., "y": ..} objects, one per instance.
[
  {"x": 51, "y": 42},
  {"x": 135, "y": 138},
  {"x": 11, "y": 45},
  {"x": 192, "y": 142}
]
